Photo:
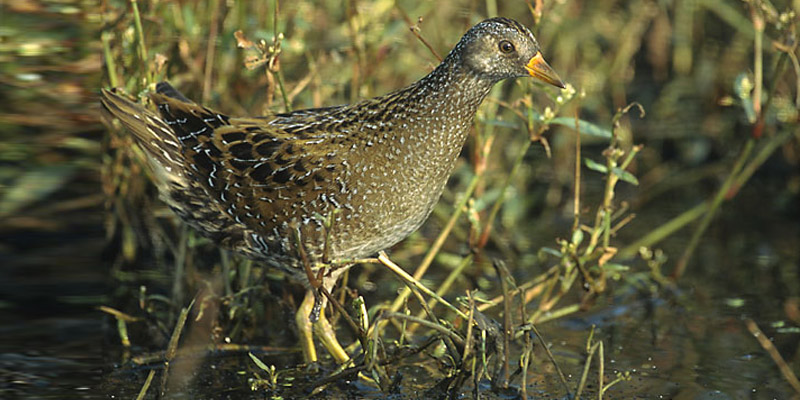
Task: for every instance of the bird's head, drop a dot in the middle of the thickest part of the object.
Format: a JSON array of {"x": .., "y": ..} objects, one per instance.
[{"x": 501, "y": 48}]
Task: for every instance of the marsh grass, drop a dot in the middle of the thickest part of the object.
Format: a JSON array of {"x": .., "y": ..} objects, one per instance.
[
  {"x": 373, "y": 358},
  {"x": 488, "y": 273},
  {"x": 309, "y": 54}
]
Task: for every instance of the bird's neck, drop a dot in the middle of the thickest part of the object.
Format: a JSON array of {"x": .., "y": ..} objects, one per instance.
[
  {"x": 443, "y": 106},
  {"x": 453, "y": 85}
]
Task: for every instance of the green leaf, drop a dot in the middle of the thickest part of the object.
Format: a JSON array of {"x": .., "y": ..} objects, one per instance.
[
  {"x": 626, "y": 176},
  {"x": 577, "y": 237},
  {"x": 259, "y": 363},
  {"x": 735, "y": 302},
  {"x": 612, "y": 267},
  {"x": 551, "y": 251},
  {"x": 586, "y": 127},
  {"x": 743, "y": 86},
  {"x": 595, "y": 166},
  {"x": 497, "y": 122},
  {"x": 777, "y": 324}
]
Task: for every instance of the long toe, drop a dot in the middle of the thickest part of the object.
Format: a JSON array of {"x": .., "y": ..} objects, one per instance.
[{"x": 327, "y": 336}]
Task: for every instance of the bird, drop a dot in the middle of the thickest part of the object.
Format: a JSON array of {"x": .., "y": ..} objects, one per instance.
[{"x": 312, "y": 186}]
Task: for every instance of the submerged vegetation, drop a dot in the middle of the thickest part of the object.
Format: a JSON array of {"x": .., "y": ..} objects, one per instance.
[{"x": 539, "y": 222}]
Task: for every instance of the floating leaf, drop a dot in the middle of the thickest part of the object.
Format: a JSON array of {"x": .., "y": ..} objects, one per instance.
[{"x": 595, "y": 166}]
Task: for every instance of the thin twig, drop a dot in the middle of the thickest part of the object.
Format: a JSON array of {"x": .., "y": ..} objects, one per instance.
[
  {"x": 576, "y": 205},
  {"x": 287, "y": 106},
  {"x": 211, "y": 48},
  {"x": 585, "y": 373},
  {"x": 137, "y": 22},
  {"x": 146, "y": 385},
  {"x": 449, "y": 333},
  {"x": 502, "y": 273},
  {"x": 111, "y": 66},
  {"x": 445, "y": 287},
  {"x": 352, "y": 324},
  {"x": 533, "y": 283},
  {"x": 414, "y": 282},
  {"x": 528, "y": 352},
  {"x": 767, "y": 345},
  {"x": 552, "y": 360},
  {"x": 470, "y": 322},
  {"x": 415, "y": 29},
  {"x": 172, "y": 347},
  {"x": 683, "y": 262},
  {"x": 202, "y": 351}
]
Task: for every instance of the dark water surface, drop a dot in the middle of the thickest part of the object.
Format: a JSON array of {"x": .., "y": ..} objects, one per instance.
[{"x": 686, "y": 343}]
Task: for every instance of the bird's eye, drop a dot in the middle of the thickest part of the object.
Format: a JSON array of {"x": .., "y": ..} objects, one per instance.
[{"x": 506, "y": 46}]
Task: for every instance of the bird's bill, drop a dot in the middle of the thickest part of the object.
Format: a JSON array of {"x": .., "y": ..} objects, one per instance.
[{"x": 538, "y": 68}]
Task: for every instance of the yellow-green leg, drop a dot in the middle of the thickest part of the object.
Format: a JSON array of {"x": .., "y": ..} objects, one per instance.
[
  {"x": 327, "y": 336},
  {"x": 304, "y": 328},
  {"x": 322, "y": 328}
]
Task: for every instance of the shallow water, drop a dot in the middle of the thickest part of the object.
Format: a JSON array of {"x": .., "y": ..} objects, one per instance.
[{"x": 686, "y": 343}]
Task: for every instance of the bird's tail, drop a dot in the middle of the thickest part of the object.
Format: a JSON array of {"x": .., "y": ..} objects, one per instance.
[
  {"x": 151, "y": 133},
  {"x": 167, "y": 141}
]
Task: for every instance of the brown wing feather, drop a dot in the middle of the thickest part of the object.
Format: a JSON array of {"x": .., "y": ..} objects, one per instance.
[
  {"x": 273, "y": 176},
  {"x": 242, "y": 181}
]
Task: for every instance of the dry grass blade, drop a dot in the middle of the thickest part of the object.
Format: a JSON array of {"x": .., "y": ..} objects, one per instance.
[
  {"x": 508, "y": 329},
  {"x": 408, "y": 279},
  {"x": 444, "y": 288},
  {"x": 146, "y": 385},
  {"x": 546, "y": 348},
  {"x": 172, "y": 347},
  {"x": 438, "y": 327}
]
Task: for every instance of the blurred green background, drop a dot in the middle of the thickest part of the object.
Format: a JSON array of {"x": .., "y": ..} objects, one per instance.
[{"x": 81, "y": 227}]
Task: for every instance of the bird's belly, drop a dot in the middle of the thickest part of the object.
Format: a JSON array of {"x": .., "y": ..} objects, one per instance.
[{"x": 389, "y": 212}]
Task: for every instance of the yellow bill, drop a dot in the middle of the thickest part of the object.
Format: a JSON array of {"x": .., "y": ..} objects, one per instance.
[{"x": 539, "y": 69}]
